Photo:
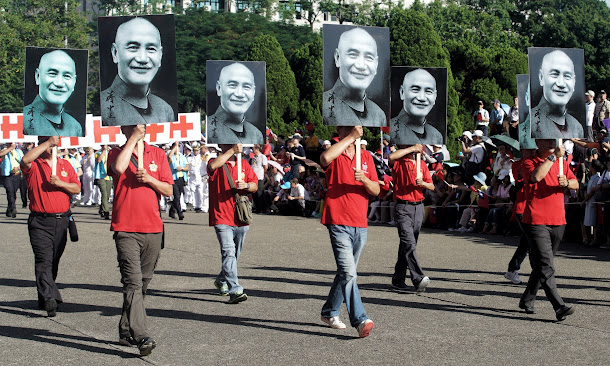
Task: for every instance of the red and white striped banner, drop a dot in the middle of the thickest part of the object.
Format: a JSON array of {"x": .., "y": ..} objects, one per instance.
[
  {"x": 11, "y": 128},
  {"x": 187, "y": 128}
]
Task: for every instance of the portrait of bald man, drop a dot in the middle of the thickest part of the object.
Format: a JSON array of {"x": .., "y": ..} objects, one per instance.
[
  {"x": 236, "y": 95},
  {"x": 356, "y": 76},
  {"x": 557, "y": 91},
  {"x": 419, "y": 105},
  {"x": 55, "y": 92},
  {"x": 138, "y": 70}
]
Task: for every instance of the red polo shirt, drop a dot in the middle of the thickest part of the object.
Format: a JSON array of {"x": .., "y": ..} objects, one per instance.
[
  {"x": 43, "y": 196},
  {"x": 135, "y": 207},
  {"x": 347, "y": 200},
  {"x": 519, "y": 205},
  {"x": 404, "y": 174},
  {"x": 222, "y": 198},
  {"x": 545, "y": 199}
]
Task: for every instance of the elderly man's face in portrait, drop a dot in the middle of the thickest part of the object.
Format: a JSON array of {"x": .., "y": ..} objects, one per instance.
[
  {"x": 418, "y": 93},
  {"x": 55, "y": 77},
  {"x": 236, "y": 88},
  {"x": 557, "y": 78},
  {"x": 137, "y": 52},
  {"x": 357, "y": 60}
]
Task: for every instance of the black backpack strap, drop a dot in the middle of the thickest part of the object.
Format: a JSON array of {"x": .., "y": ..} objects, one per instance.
[{"x": 134, "y": 161}]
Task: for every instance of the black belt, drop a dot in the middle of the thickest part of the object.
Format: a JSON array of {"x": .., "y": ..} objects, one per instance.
[
  {"x": 409, "y": 202},
  {"x": 55, "y": 215}
]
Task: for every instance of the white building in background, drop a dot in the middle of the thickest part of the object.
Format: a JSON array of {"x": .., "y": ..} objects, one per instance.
[{"x": 281, "y": 7}]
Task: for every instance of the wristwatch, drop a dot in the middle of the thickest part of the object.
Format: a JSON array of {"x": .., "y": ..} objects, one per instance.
[{"x": 552, "y": 158}]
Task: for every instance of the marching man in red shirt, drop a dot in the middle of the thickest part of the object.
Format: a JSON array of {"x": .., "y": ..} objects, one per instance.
[
  {"x": 49, "y": 217},
  {"x": 230, "y": 232},
  {"x": 544, "y": 221},
  {"x": 409, "y": 214},
  {"x": 344, "y": 215},
  {"x": 138, "y": 228}
]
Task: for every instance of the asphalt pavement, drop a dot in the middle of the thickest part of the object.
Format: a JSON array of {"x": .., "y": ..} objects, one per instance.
[{"x": 468, "y": 316}]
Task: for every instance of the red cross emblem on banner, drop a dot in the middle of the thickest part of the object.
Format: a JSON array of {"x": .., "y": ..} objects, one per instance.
[
  {"x": 6, "y": 126},
  {"x": 73, "y": 140},
  {"x": 182, "y": 125},
  {"x": 99, "y": 131},
  {"x": 153, "y": 129}
]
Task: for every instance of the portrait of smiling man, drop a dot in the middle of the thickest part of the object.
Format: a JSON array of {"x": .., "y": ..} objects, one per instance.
[
  {"x": 51, "y": 86},
  {"x": 560, "y": 78},
  {"x": 240, "y": 116},
  {"x": 359, "y": 57},
  {"x": 418, "y": 95},
  {"x": 138, "y": 54}
]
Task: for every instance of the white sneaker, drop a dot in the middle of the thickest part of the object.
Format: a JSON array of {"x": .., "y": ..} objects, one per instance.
[
  {"x": 333, "y": 322},
  {"x": 513, "y": 277},
  {"x": 423, "y": 284},
  {"x": 462, "y": 229},
  {"x": 364, "y": 329}
]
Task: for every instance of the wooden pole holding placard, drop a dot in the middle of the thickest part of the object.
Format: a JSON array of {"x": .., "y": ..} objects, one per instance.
[
  {"x": 54, "y": 161},
  {"x": 560, "y": 159},
  {"x": 238, "y": 166},
  {"x": 417, "y": 165},
  {"x": 358, "y": 160},
  {"x": 140, "y": 153}
]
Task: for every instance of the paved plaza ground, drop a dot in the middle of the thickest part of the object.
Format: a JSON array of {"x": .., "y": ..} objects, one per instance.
[{"x": 469, "y": 315}]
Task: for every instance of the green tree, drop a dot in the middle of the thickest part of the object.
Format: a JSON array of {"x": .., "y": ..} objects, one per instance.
[
  {"x": 571, "y": 24},
  {"x": 282, "y": 91},
  {"x": 486, "y": 53},
  {"x": 38, "y": 23},
  {"x": 307, "y": 65},
  {"x": 202, "y": 35}
]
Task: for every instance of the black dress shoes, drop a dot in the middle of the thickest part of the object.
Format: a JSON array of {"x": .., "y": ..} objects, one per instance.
[
  {"x": 528, "y": 309},
  {"x": 50, "y": 306},
  {"x": 563, "y": 312}
]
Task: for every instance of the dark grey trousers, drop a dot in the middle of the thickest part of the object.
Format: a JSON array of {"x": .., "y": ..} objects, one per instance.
[
  {"x": 544, "y": 241},
  {"x": 522, "y": 249},
  {"x": 408, "y": 220},
  {"x": 138, "y": 254},
  {"x": 48, "y": 236}
]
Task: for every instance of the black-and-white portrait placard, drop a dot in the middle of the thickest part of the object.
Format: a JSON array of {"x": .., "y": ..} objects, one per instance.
[
  {"x": 523, "y": 95},
  {"x": 138, "y": 70},
  {"x": 557, "y": 92},
  {"x": 236, "y": 102},
  {"x": 419, "y": 105},
  {"x": 356, "y": 76},
  {"x": 55, "y": 95}
]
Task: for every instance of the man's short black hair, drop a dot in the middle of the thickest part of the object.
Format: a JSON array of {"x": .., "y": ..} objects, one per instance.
[{"x": 597, "y": 165}]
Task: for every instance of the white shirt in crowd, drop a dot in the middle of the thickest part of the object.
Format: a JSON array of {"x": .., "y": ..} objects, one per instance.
[
  {"x": 590, "y": 109},
  {"x": 196, "y": 166},
  {"x": 500, "y": 164},
  {"x": 484, "y": 115},
  {"x": 477, "y": 152},
  {"x": 258, "y": 165},
  {"x": 299, "y": 191}
]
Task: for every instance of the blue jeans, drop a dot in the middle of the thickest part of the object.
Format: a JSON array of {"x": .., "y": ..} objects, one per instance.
[
  {"x": 231, "y": 239},
  {"x": 347, "y": 243}
]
